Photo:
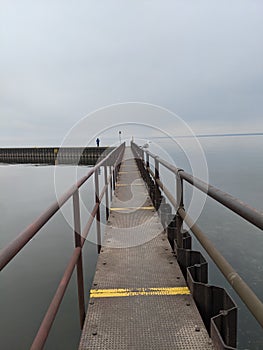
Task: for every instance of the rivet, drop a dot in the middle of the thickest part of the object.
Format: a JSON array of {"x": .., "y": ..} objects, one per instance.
[
  {"x": 171, "y": 262},
  {"x": 104, "y": 263},
  {"x": 94, "y": 333},
  {"x": 95, "y": 284},
  {"x": 188, "y": 304},
  {"x": 91, "y": 302},
  {"x": 197, "y": 329},
  {"x": 178, "y": 277}
]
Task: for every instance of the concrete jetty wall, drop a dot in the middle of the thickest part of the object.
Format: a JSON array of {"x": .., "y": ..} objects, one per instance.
[{"x": 53, "y": 155}]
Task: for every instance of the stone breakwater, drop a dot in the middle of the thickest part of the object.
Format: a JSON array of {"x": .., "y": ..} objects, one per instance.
[{"x": 53, "y": 155}]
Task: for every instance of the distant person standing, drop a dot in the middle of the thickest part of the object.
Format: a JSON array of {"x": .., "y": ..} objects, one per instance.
[{"x": 98, "y": 142}]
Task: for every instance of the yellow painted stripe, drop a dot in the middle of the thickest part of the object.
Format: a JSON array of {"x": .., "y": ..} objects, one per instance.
[
  {"x": 128, "y": 172},
  {"x": 133, "y": 208},
  {"x": 129, "y": 166},
  {"x": 122, "y": 185},
  {"x": 110, "y": 293}
]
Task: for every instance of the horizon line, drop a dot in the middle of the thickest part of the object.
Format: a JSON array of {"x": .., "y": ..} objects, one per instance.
[{"x": 213, "y": 135}]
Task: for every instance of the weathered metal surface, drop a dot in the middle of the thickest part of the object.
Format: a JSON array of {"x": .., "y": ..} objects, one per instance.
[{"x": 135, "y": 302}]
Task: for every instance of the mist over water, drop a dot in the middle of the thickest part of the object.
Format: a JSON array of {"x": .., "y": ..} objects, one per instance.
[{"x": 29, "y": 282}]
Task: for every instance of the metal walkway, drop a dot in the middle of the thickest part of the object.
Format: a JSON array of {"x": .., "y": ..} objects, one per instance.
[{"x": 139, "y": 298}]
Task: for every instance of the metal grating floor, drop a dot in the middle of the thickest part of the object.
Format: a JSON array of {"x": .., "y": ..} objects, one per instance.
[{"x": 128, "y": 310}]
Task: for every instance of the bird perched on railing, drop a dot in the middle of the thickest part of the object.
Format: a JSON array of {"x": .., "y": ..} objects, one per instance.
[{"x": 146, "y": 145}]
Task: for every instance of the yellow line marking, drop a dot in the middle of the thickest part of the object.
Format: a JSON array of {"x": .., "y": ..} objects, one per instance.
[
  {"x": 130, "y": 166},
  {"x": 128, "y": 172},
  {"x": 122, "y": 185},
  {"x": 133, "y": 208},
  {"x": 110, "y": 293}
]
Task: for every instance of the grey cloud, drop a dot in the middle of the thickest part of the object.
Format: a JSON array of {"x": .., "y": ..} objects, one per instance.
[{"x": 61, "y": 60}]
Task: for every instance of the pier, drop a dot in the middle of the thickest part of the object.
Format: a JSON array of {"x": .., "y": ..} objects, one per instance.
[
  {"x": 150, "y": 289},
  {"x": 140, "y": 299}
]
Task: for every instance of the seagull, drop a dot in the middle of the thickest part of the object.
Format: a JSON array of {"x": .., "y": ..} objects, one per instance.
[{"x": 147, "y": 144}]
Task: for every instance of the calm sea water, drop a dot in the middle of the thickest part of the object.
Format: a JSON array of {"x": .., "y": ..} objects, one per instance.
[{"x": 29, "y": 282}]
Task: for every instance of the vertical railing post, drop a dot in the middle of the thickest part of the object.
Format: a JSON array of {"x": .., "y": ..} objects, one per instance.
[
  {"x": 97, "y": 195},
  {"x": 111, "y": 179},
  {"x": 147, "y": 160},
  {"x": 142, "y": 155},
  {"x": 107, "y": 191},
  {"x": 180, "y": 202},
  {"x": 157, "y": 194},
  {"x": 157, "y": 170},
  {"x": 77, "y": 234}
]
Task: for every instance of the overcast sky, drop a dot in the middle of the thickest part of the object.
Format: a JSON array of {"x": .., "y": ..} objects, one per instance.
[{"x": 61, "y": 60}]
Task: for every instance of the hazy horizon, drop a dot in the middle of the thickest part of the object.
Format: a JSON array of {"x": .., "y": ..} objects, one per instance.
[{"x": 60, "y": 62}]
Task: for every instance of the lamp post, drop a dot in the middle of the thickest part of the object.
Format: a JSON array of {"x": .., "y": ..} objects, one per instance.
[{"x": 120, "y": 137}]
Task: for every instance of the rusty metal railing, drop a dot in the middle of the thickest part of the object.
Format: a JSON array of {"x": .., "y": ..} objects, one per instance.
[
  {"x": 112, "y": 163},
  {"x": 245, "y": 211}
]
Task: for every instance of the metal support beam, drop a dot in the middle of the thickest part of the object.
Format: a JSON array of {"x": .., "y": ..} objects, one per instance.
[
  {"x": 97, "y": 195},
  {"x": 180, "y": 201},
  {"x": 77, "y": 235},
  {"x": 107, "y": 191}
]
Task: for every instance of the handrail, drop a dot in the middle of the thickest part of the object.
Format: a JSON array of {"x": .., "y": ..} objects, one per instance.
[
  {"x": 252, "y": 301},
  {"x": 7, "y": 253},
  {"x": 112, "y": 160},
  {"x": 245, "y": 211}
]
